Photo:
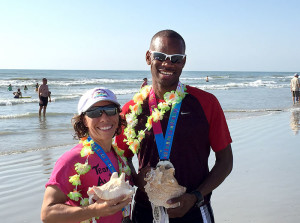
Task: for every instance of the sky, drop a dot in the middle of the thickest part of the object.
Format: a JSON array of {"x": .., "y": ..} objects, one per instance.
[{"x": 228, "y": 35}]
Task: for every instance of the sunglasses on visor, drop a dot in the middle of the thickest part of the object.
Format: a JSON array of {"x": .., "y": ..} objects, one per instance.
[
  {"x": 175, "y": 58},
  {"x": 96, "y": 112}
]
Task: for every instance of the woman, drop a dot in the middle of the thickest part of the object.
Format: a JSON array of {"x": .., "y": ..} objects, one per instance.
[{"x": 65, "y": 198}]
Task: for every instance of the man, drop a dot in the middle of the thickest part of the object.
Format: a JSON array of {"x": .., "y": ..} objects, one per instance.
[
  {"x": 201, "y": 125},
  {"x": 43, "y": 93},
  {"x": 295, "y": 85}
]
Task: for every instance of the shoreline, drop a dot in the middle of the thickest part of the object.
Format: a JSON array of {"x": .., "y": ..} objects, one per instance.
[{"x": 43, "y": 137}]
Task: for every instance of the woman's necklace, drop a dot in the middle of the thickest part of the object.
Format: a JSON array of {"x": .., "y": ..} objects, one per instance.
[
  {"x": 83, "y": 168},
  {"x": 133, "y": 139}
]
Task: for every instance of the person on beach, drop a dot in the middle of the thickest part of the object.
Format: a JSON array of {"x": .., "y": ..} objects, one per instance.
[
  {"x": 90, "y": 163},
  {"x": 44, "y": 93},
  {"x": 207, "y": 79},
  {"x": 25, "y": 88},
  {"x": 201, "y": 125},
  {"x": 18, "y": 94},
  {"x": 295, "y": 86},
  {"x": 37, "y": 87},
  {"x": 145, "y": 82}
]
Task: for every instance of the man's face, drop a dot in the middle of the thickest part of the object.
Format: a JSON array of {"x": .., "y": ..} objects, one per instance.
[
  {"x": 44, "y": 81},
  {"x": 165, "y": 73}
]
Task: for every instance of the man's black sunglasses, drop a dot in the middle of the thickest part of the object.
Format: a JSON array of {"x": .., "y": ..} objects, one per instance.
[{"x": 96, "y": 112}]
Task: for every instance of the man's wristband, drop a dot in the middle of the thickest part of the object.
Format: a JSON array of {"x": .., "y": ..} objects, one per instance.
[{"x": 200, "y": 198}]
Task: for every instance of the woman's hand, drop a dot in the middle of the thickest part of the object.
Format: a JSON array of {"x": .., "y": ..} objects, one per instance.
[{"x": 110, "y": 207}]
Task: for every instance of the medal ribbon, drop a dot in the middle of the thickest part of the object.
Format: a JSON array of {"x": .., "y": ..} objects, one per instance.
[
  {"x": 164, "y": 145},
  {"x": 100, "y": 152}
]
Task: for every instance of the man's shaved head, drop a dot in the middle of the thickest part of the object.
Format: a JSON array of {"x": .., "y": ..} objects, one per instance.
[{"x": 169, "y": 34}]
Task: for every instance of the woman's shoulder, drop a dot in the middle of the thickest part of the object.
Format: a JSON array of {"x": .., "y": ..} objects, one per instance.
[{"x": 71, "y": 155}]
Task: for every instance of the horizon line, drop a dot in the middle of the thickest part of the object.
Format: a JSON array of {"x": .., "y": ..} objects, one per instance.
[{"x": 146, "y": 70}]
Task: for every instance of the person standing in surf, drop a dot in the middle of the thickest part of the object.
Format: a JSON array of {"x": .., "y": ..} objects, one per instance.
[
  {"x": 295, "y": 86},
  {"x": 145, "y": 82},
  {"x": 37, "y": 87},
  {"x": 44, "y": 93},
  {"x": 152, "y": 134}
]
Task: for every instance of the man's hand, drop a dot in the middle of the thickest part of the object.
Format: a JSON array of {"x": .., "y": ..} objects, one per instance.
[
  {"x": 139, "y": 179},
  {"x": 185, "y": 203}
]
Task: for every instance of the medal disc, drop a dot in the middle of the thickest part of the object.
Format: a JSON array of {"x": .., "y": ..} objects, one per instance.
[{"x": 165, "y": 163}]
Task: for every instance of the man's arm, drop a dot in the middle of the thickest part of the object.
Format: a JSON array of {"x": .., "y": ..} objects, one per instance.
[
  {"x": 49, "y": 95},
  {"x": 221, "y": 169},
  {"x": 39, "y": 92}
]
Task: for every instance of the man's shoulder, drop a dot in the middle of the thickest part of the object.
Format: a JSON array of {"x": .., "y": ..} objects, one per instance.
[
  {"x": 126, "y": 106},
  {"x": 200, "y": 94}
]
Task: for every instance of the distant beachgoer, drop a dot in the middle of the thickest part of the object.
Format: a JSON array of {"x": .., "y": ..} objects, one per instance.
[
  {"x": 43, "y": 92},
  {"x": 25, "y": 88},
  {"x": 90, "y": 163},
  {"x": 18, "y": 94},
  {"x": 145, "y": 82},
  {"x": 9, "y": 87},
  {"x": 295, "y": 86},
  {"x": 37, "y": 87},
  {"x": 207, "y": 79}
]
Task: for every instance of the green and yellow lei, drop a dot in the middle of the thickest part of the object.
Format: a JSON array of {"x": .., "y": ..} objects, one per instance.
[{"x": 83, "y": 168}]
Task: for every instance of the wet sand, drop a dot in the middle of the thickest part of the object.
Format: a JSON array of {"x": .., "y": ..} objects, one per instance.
[{"x": 263, "y": 186}]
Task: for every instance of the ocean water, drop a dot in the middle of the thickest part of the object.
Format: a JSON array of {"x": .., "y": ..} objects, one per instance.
[{"x": 241, "y": 94}]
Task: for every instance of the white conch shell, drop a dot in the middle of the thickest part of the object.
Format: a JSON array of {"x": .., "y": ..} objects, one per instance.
[
  {"x": 114, "y": 188},
  {"x": 162, "y": 186}
]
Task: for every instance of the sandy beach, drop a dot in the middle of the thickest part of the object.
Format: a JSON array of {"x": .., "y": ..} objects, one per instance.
[{"x": 263, "y": 186}]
